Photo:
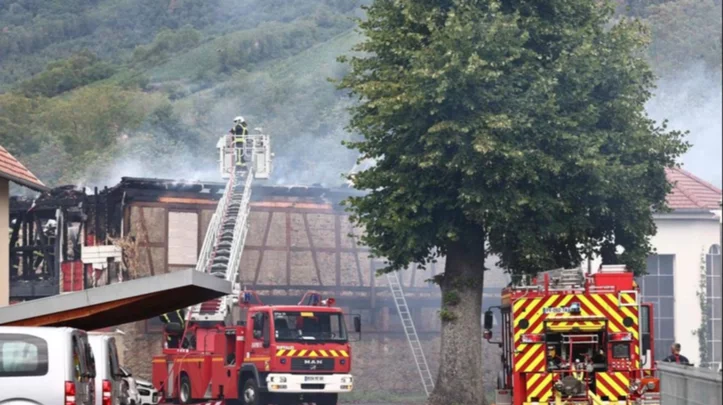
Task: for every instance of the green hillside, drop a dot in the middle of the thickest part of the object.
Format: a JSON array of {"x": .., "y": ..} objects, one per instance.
[{"x": 107, "y": 88}]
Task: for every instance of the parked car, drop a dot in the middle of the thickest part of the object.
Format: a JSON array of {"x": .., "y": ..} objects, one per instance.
[
  {"x": 109, "y": 379},
  {"x": 44, "y": 365},
  {"x": 149, "y": 394},
  {"x": 133, "y": 397}
]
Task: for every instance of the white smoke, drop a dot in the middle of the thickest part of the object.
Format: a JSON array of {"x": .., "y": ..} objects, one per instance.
[{"x": 691, "y": 100}]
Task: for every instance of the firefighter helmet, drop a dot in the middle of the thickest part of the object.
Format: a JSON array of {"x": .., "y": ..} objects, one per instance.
[{"x": 238, "y": 120}]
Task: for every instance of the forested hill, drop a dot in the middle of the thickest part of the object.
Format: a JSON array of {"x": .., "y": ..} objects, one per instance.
[{"x": 93, "y": 90}]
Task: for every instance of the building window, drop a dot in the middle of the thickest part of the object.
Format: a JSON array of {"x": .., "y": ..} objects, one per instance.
[
  {"x": 182, "y": 238},
  {"x": 713, "y": 286},
  {"x": 658, "y": 288}
]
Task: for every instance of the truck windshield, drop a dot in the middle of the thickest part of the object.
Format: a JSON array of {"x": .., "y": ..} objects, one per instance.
[{"x": 315, "y": 326}]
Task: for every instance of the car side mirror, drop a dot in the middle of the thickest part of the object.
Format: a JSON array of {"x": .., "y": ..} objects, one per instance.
[{"x": 357, "y": 324}]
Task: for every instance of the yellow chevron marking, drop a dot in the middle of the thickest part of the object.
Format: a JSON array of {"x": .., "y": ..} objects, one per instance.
[
  {"x": 323, "y": 353},
  {"x": 611, "y": 311},
  {"x": 532, "y": 318},
  {"x": 531, "y": 383},
  {"x": 628, "y": 298},
  {"x": 544, "y": 385},
  {"x": 344, "y": 353},
  {"x": 526, "y": 357},
  {"x": 313, "y": 354},
  {"x": 619, "y": 391},
  {"x": 280, "y": 352},
  {"x": 302, "y": 353},
  {"x": 604, "y": 390},
  {"x": 564, "y": 302},
  {"x": 291, "y": 353},
  {"x": 333, "y": 353},
  {"x": 518, "y": 304},
  {"x": 535, "y": 364}
]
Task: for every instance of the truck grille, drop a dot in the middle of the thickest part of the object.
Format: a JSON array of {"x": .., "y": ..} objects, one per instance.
[{"x": 312, "y": 364}]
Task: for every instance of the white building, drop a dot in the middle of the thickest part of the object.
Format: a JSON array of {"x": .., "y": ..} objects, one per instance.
[{"x": 688, "y": 244}]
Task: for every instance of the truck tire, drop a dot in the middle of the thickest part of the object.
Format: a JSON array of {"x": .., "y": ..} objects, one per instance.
[
  {"x": 327, "y": 399},
  {"x": 251, "y": 394},
  {"x": 184, "y": 390}
]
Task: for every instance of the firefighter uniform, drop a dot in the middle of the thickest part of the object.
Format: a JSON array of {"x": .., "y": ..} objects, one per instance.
[
  {"x": 173, "y": 317},
  {"x": 239, "y": 132}
]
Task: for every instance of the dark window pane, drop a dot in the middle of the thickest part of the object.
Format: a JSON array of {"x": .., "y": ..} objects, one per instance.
[
  {"x": 717, "y": 330},
  {"x": 667, "y": 329},
  {"x": 716, "y": 290},
  {"x": 717, "y": 268},
  {"x": 667, "y": 308},
  {"x": 710, "y": 331},
  {"x": 656, "y": 309},
  {"x": 667, "y": 286},
  {"x": 717, "y": 308},
  {"x": 665, "y": 264},
  {"x": 652, "y": 264},
  {"x": 709, "y": 287},
  {"x": 650, "y": 287}
]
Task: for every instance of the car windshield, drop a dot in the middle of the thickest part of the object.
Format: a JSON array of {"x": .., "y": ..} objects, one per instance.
[{"x": 318, "y": 326}]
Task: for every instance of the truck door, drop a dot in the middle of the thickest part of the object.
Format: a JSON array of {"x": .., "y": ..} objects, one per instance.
[
  {"x": 647, "y": 346},
  {"x": 260, "y": 351}
]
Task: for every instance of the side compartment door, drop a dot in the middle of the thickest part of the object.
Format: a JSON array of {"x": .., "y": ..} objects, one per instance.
[{"x": 260, "y": 351}]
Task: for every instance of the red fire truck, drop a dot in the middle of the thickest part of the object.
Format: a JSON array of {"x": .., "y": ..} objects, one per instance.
[
  {"x": 274, "y": 354},
  {"x": 574, "y": 338}
]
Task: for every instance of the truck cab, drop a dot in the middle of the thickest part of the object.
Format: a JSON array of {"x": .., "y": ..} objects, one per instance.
[{"x": 272, "y": 354}]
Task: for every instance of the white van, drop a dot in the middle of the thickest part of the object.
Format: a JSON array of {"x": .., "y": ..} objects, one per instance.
[
  {"x": 108, "y": 375},
  {"x": 43, "y": 365}
]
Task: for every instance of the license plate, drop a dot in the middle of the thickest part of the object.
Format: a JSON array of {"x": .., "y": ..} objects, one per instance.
[{"x": 313, "y": 378}]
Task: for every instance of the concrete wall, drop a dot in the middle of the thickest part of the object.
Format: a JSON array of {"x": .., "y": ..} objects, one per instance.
[
  {"x": 688, "y": 236},
  {"x": 4, "y": 242}
]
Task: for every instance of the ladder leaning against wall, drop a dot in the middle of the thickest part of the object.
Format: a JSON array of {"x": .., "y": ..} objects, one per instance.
[{"x": 408, "y": 324}]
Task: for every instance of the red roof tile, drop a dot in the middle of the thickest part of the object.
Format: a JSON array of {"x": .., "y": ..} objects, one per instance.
[
  {"x": 14, "y": 171},
  {"x": 691, "y": 193}
]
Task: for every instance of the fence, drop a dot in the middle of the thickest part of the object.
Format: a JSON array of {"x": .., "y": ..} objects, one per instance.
[{"x": 685, "y": 385}]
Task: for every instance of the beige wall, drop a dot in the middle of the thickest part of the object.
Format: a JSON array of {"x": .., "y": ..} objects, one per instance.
[{"x": 4, "y": 242}]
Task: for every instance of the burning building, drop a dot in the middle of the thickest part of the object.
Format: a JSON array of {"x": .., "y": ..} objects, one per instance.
[{"x": 299, "y": 239}]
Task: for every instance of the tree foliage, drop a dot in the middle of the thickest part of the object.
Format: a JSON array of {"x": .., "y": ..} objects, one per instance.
[{"x": 512, "y": 127}]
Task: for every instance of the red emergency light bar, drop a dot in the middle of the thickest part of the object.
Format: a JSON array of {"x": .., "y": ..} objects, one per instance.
[
  {"x": 625, "y": 336},
  {"x": 533, "y": 338}
]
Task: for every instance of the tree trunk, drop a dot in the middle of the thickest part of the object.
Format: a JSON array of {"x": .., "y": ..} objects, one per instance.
[{"x": 459, "y": 380}]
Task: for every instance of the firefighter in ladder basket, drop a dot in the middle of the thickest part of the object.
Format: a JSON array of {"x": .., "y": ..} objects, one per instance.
[{"x": 238, "y": 137}]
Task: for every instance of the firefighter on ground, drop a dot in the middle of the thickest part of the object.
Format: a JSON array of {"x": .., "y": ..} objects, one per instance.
[
  {"x": 238, "y": 133},
  {"x": 675, "y": 356}
]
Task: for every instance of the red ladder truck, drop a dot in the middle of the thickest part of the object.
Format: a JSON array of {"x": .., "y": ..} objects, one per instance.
[
  {"x": 281, "y": 354},
  {"x": 576, "y": 339}
]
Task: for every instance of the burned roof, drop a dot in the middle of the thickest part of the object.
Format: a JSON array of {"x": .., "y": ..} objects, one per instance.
[{"x": 63, "y": 196}]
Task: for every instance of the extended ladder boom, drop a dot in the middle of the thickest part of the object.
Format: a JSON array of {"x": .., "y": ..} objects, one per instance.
[{"x": 226, "y": 235}]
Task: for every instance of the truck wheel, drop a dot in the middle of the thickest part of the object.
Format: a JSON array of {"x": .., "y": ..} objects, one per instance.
[
  {"x": 251, "y": 394},
  {"x": 327, "y": 399},
  {"x": 184, "y": 390}
]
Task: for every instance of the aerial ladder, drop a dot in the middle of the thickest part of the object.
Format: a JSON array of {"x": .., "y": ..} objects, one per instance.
[{"x": 226, "y": 235}]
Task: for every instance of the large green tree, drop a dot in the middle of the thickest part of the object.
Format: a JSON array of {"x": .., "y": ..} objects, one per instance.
[{"x": 513, "y": 128}]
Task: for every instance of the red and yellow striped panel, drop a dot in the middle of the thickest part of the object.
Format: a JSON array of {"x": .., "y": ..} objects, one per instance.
[
  {"x": 312, "y": 353},
  {"x": 531, "y": 357},
  {"x": 539, "y": 387},
  {"x": 613, "y": 385}
]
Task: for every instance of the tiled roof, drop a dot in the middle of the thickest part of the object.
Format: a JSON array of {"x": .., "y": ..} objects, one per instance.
[
  {"x": 691, "y": 193},
  {"x": 14, "y": 171}
]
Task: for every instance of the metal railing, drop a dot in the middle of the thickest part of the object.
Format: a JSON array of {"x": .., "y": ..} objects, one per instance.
[{"x": 687, "y": 385}]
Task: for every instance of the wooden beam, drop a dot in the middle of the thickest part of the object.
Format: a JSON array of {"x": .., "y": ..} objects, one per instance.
[{"x": 313, "y": 250}]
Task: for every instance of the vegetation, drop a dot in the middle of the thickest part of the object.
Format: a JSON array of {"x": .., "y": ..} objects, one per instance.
[
  {"x": 514, "y": 128},
  {"x": 206, "y": 61}
]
